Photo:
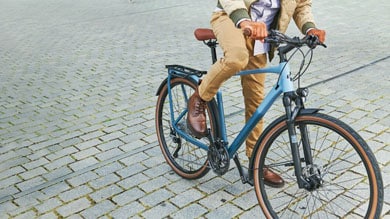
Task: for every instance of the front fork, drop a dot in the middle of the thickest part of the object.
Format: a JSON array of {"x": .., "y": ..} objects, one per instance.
[{"x": 293, "y": 103}]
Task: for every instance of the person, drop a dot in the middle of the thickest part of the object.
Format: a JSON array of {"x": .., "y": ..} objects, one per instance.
[{"x": 241, "y": 52}]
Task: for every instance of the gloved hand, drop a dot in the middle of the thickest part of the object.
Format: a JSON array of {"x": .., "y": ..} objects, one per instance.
[
  {"x": 258, "y": 30},
  {"x": 319, "y": 33}
]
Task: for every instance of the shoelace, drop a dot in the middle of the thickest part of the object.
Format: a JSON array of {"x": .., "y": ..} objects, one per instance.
[{"x": 199, "y": 107}]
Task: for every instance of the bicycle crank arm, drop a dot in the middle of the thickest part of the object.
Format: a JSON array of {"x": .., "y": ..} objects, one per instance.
[{"x": 243, "y": 174}]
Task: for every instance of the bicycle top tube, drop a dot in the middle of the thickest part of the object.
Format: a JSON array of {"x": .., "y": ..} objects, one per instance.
[{"x": 282, "y": 69}]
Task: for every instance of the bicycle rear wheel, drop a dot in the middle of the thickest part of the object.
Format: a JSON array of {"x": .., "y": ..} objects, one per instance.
[
  {"x": 186, "y": 159},
  {"x": 351, "y": 184}
]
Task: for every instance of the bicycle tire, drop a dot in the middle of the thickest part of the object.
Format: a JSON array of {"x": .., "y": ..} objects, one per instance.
[
  {"x": 352, "y": 186},
  {"x": 190, "y": 162}
]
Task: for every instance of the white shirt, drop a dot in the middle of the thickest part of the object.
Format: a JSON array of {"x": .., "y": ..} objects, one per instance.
[{"x": 265, "y": 11}]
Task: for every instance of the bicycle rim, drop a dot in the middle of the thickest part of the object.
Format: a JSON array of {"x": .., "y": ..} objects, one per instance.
[
  {"x": 352, "y": 185},
  {"x": 186, "y": 159}
]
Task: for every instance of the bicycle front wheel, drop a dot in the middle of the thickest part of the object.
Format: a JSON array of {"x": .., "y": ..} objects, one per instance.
[
  {"x": 349, "y": 180},
  {"x": 186, "y": 159}
]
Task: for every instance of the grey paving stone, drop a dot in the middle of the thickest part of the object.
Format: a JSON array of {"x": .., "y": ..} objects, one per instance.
[
  {"x": 75, "y": 193},
  {"x": 98, "y": 210},
  {"x": 214, "y": 201},
  {"x": 28, "y": 214},
  {"x": 78, "y": 165},
  {"x": 128, "y": 196},
  {"x": 104, "y": 181},
  {"x": 47, "y": 215},
  {"x": 225, "y": 211},
  {"x": 7, "y": 184},
  {"x": 109, "y": 168},
  {"x": 85, "y": 153},
  {"x": 30, "y": 183},
  {"x": 191, "y": 211},
  {"x": 132, "y": 181},
  {"x": 156, "y": 197},
  {"x": 58, "y": 163},
  {"x": 57, "y": 173},
  {"x": 115, "y": 152},
  {"x": 33, "y": 173},
  {"x": 106, "y": 193},
  {"x": 48, "y": 205},
  {"x": 12, "y": 171},
  {"x": 160, "y": 211},
  {"x": 246, "y": 201},
  {"x": 187, "y": 197},
  {"x": 153, "y": 184},
  {"x": 82, "y": 179},
  {"x": 55, "y": 189},
  {"x": 73, "y": 207},
  {"x": 129, "y": 210}
]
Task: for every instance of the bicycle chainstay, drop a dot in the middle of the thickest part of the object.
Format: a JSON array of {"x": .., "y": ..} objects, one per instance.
[{"x": 218, "y": 157}]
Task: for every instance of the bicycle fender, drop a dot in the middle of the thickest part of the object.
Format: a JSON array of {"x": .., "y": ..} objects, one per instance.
[
  {"x": 163, "y": 83},
  {"x": 307, "y": 111}
]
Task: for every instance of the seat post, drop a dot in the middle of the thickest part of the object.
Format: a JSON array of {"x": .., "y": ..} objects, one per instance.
[
  {"x": 207, "y": 36},
  {"x": 213, "y": 45}
]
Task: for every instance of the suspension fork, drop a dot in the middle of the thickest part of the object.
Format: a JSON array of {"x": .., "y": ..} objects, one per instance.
[{"x": 292, "y": 113}]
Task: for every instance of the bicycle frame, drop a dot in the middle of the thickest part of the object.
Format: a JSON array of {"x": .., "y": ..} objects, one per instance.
[{"x": 285, "y": 84}]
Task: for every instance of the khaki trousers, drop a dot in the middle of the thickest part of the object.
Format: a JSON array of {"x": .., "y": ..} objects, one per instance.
[{"x": 237, "y": 55}]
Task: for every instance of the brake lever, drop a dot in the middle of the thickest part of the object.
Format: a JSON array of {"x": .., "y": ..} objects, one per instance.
[
  {"x": 323, "y": 45},
  {"x": 312, "y": 41}
]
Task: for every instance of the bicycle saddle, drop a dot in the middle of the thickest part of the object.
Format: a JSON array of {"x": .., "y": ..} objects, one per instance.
[{"x": 203, "y": 34}]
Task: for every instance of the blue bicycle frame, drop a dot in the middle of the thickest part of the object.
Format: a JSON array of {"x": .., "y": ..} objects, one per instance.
[{"x": 285, "y": 84}]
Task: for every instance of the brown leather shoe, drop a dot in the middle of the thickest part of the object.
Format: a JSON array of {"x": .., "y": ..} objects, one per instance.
[
  {"x": 196, "y": 116},
  {"x": 272, "y": 179}
]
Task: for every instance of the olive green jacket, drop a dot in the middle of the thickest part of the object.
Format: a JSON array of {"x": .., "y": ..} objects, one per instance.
[{"x": 298, "y": 10}]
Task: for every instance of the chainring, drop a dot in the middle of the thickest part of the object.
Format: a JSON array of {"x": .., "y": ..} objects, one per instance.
[{"x": 219, "y": 159}]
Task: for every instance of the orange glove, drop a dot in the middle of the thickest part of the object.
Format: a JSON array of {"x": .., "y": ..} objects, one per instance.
[
  {"x": 319, "y": 33},
  {"x": 258, "y": 30}
]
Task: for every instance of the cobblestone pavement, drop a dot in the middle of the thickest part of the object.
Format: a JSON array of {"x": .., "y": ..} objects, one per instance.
[{"x": 78, "y": 82}]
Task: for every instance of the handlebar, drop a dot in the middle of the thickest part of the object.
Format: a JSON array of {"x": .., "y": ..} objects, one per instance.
[{"x": 276, "y": 37}]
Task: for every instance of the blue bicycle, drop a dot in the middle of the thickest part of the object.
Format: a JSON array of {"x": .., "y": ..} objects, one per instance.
[{"x": 329, "y": 170}]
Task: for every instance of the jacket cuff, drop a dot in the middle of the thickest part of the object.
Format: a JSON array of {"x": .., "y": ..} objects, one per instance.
[
  {"x": 307, "y": 26},
  {"x": 239, "y": 15}
]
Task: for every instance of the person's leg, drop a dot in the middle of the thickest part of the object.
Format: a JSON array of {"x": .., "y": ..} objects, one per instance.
[
  {"x": 232, "y": 42},
  {"x": 253, "y": 92},
  {"x": 235, "y": 55},
  {"x": 253, "y": 89}
]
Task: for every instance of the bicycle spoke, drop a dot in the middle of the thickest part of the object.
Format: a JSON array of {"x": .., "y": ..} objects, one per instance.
[
  {"x": 185, "y": 158},
  {"x": 340, "y": 186}
]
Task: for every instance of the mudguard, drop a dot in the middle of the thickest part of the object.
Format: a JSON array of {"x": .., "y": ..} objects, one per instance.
[
  {"x": 163, "y": 83},
  {"x": 181, "y": 71}
]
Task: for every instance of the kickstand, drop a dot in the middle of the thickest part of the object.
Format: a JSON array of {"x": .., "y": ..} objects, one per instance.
[{"x": 243, "y": 173}]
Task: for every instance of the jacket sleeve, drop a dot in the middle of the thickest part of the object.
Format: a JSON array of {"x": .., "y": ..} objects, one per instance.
[
  {"x": 236, "y": 9},
  {"x": 303, "y": 16}
]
